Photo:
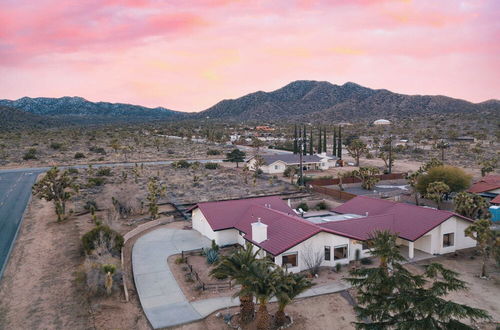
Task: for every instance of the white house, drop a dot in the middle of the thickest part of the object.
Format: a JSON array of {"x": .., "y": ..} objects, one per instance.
[
  {"x": 275, "y": 164},
  {"x": 271, "y": 225}
]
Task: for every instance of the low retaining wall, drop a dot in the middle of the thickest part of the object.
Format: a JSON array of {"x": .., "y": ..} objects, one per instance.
[
  {"x": 337, "y": 194},
  {"x": 331, "y": 182},
  {"x": 145, "y": 226}
]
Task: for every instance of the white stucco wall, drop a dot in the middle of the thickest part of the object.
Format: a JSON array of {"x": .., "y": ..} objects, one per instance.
[
  {"x": 221, "y": 237},
  {"x": 317, "y": 243}
]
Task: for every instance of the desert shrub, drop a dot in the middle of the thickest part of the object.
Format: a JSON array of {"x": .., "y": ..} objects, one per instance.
[
  {"x": 104, "y": 171},
  {"x": 92, "y": 182},
  {"x": 103, "y": 237},
  {"x": 215, "y": 246},
  {"x": 321, "y": 206},
  {"x": 338, "y": 267},
  {"x": 55, "y": 145},
  {"x": 212, "y": 152},
  {"x": 308, "y": 179},
  {"x": 369, "y": 155},
  {"x": 170, "y": 152},
  {"x": 90, "y": 205},
  {"x": 303, "y": 206},
  {"x": 220, "y": 276},
  {"x": 100, "y": 159},
  {"x": 211, "y": 166},
  {"x": 72, "y": 170},
  {"x": 454, "y": 177},
  {"x": 258, "y": 172},
  {"x": 95, "y": 277},
  {"x": 181, "y": 164},
  {"x": 366, "y": 261},
  {"x": 180, "y": 260},
  {"x": 79, "y": 155},
  {"x": 212, "y": 256},
  {"x": 97, "y": 150},
  {"x": 30, "y": 154}
]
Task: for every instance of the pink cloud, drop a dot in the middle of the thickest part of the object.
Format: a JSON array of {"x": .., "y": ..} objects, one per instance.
[{"x": 188, "y": 54}]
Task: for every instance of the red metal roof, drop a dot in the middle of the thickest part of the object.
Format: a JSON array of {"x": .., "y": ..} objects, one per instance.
[
  {"x": 496, "y": 200},
  {"x": 489, "y": 182},
  {"x": 286, "y": 229},
  {"x": 408, "y": 221}
]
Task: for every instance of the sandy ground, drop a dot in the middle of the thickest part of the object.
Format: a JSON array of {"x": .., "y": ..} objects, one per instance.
[
  {"x": 38, "y": 290},
  {"x": 323, "y": 312}
]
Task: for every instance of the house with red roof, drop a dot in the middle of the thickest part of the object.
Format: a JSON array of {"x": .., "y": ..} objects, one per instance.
[
  {"x": 488, "y": 187},
  {"x": 293, "y": 241}
]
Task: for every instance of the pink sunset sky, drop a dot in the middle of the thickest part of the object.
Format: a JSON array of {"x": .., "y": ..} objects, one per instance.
[{"x": 189, "y": 54}]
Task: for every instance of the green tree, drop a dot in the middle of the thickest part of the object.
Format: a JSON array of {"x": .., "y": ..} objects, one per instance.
[
  {"x": 339, "y": 149},
  {"x": 58, "y": 188},
  {"x": 155, "y": 191},
  {"x": 237, "y": 266},
  {"x": 436, "y": 192},
  {"x": 320, "y": 147},
  {"x": 471, "y": 205},
  {"x": 481, "y": 232},
  {"x": 399, "y": 299},
  {"x": 356, "y": 149},
  {"x": 295, "y": 139},
  {"x": 334, "y": 151},
  {"x": 304, "y": 142},
  {"x": 324, "y": 149},
  {"x": 454, "y": 177},
  {"x": 236, "y": 156},
  {"x": 288, "y": 287},
  {"x": 367, "y": 175},
  {"x": 311, "y": 144}
]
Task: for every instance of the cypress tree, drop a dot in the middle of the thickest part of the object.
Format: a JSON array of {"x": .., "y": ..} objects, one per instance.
[
  {"x": 311, "y": 147},
  {"x": 325, "y": 150},
  {"x": 304, "y": 149},
  {"x": 295, "y": 146},
  {"x": 339, "y": 150},
  {"x": 319, "y": 142},
  {"x": 334, "y": 151}
]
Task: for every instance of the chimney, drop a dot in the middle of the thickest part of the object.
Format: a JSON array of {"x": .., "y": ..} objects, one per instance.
[
  {"x": 366, "y": 213},
  {"x": 259, "y": 231}
]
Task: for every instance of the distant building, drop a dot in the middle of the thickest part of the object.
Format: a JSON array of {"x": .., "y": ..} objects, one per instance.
[
  {"x": 275, "y": 164},
  {"x": 381, "y": 122}
]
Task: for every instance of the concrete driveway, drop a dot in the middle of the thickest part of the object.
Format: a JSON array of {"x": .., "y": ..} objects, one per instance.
[{"x": 161, "y": 297}]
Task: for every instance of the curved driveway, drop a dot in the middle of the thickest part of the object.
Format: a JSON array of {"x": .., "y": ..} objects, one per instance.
[{"x": 161, "y": 298}]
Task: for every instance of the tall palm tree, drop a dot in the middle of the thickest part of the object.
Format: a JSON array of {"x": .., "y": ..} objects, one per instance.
[
  {"x": 262, "y": 281},
  {"x": 239, "y": 266},
  {"x": 289, "y": 286},
  {"x": 383, "y": 245}
]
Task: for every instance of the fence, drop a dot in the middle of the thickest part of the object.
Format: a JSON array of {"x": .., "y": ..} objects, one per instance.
[
  {"x": 194, "y": 275},
  {"x": 331, "y": 182},
  {"x": 318, "y": 185},
  {"x": 337, "y": 194}
]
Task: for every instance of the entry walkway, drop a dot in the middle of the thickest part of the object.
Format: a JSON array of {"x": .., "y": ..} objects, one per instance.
[{"x": 161, "y": 297}]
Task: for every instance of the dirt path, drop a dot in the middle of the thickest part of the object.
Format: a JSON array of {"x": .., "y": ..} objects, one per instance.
[{"x": 38, "y": 290}]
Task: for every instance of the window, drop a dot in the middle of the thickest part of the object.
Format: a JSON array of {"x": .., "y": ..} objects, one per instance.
[
  {"x": 448, "y": 239},
  {"x": 327, "y": 253},
  {"x": 289, "y": 260},
  {"x": 275, "y": 167},
  {"x": 340, "y": 252}
]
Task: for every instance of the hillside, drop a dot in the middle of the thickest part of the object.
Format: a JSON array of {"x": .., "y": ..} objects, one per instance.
[
  {"x": 326, "y": 101},
  {"x": 79, "y": 110},
  {"x": 14, "y": 119}
]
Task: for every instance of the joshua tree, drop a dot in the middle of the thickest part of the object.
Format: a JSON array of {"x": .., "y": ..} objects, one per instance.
[
  {"x": 237, "y": 267},
  {"x": 245, "y": 173},
  {"x": 399, "y": 299},
  {"x": 58, "y": 188},
  {"x": 137, "y": 172},
  {"x": 357, "y": 148},
  {"x": 155, "y": 191},
  {"x": 109, "y": 270},
  {"x": 442, "y": 145},
  {"x": 258, "y": 163},
  {"x": 115, "y": 145},
  {"x": 412, "y": 179},
  {"x": 367, "y": 175},
  {"x": 436, "y": 192},
  {"x": 481, "y": 232},
  {"x": 488, "y": 166},
  {"x": 471, "y": 205},
  {"x": 288, "y": 287}
]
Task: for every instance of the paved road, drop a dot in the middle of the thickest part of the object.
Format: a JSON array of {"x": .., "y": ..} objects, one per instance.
[
  {"x": 161, "y": 297},
  {"x": 15, "y": 192}
]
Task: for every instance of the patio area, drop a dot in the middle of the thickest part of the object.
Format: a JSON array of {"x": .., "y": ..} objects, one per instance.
[{"x": 417, "y": 254}]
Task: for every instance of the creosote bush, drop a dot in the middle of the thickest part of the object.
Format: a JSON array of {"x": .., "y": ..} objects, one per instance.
[
  {"x": 79, "y": 155},
  {"x": 303, "y": 206},
  {"x": 30, "y": 154},
  {"x": 211, "y": 166}
]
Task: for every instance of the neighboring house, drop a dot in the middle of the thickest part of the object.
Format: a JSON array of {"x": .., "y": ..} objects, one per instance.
[
  {"x": 290, "y": 240},
  {"x": 488, "y": 187},
  {"x": 275, "y": 164}
]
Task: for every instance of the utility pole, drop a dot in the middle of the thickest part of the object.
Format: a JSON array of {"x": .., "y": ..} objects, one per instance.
[
  {"x": 390, "y": 153},
  {"x": 301, "y": 178}
]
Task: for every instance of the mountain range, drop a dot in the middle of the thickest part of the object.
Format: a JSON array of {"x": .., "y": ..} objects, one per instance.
[{"x": 309, "y": 100}]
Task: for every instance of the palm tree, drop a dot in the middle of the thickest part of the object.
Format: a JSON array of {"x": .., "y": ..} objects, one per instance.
[
  {"x": 383, "y": 246},
  {"x": 289, "y": 286},
  {"x": 262, "y": 283},
  {"x": 238, "y": 266},
  {"x": 481, "y": 232}
]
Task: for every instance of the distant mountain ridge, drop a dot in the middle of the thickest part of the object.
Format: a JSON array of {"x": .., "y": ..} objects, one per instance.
[
  {"x": 79, "y": 110},
  {"x": 14, "y": 119},
  {"x": 302, "y": 99},
  {"x": 321, "y": 100}
]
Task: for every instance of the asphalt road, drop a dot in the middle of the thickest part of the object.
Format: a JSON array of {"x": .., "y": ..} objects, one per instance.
[{"x": 15, "y": 192}]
